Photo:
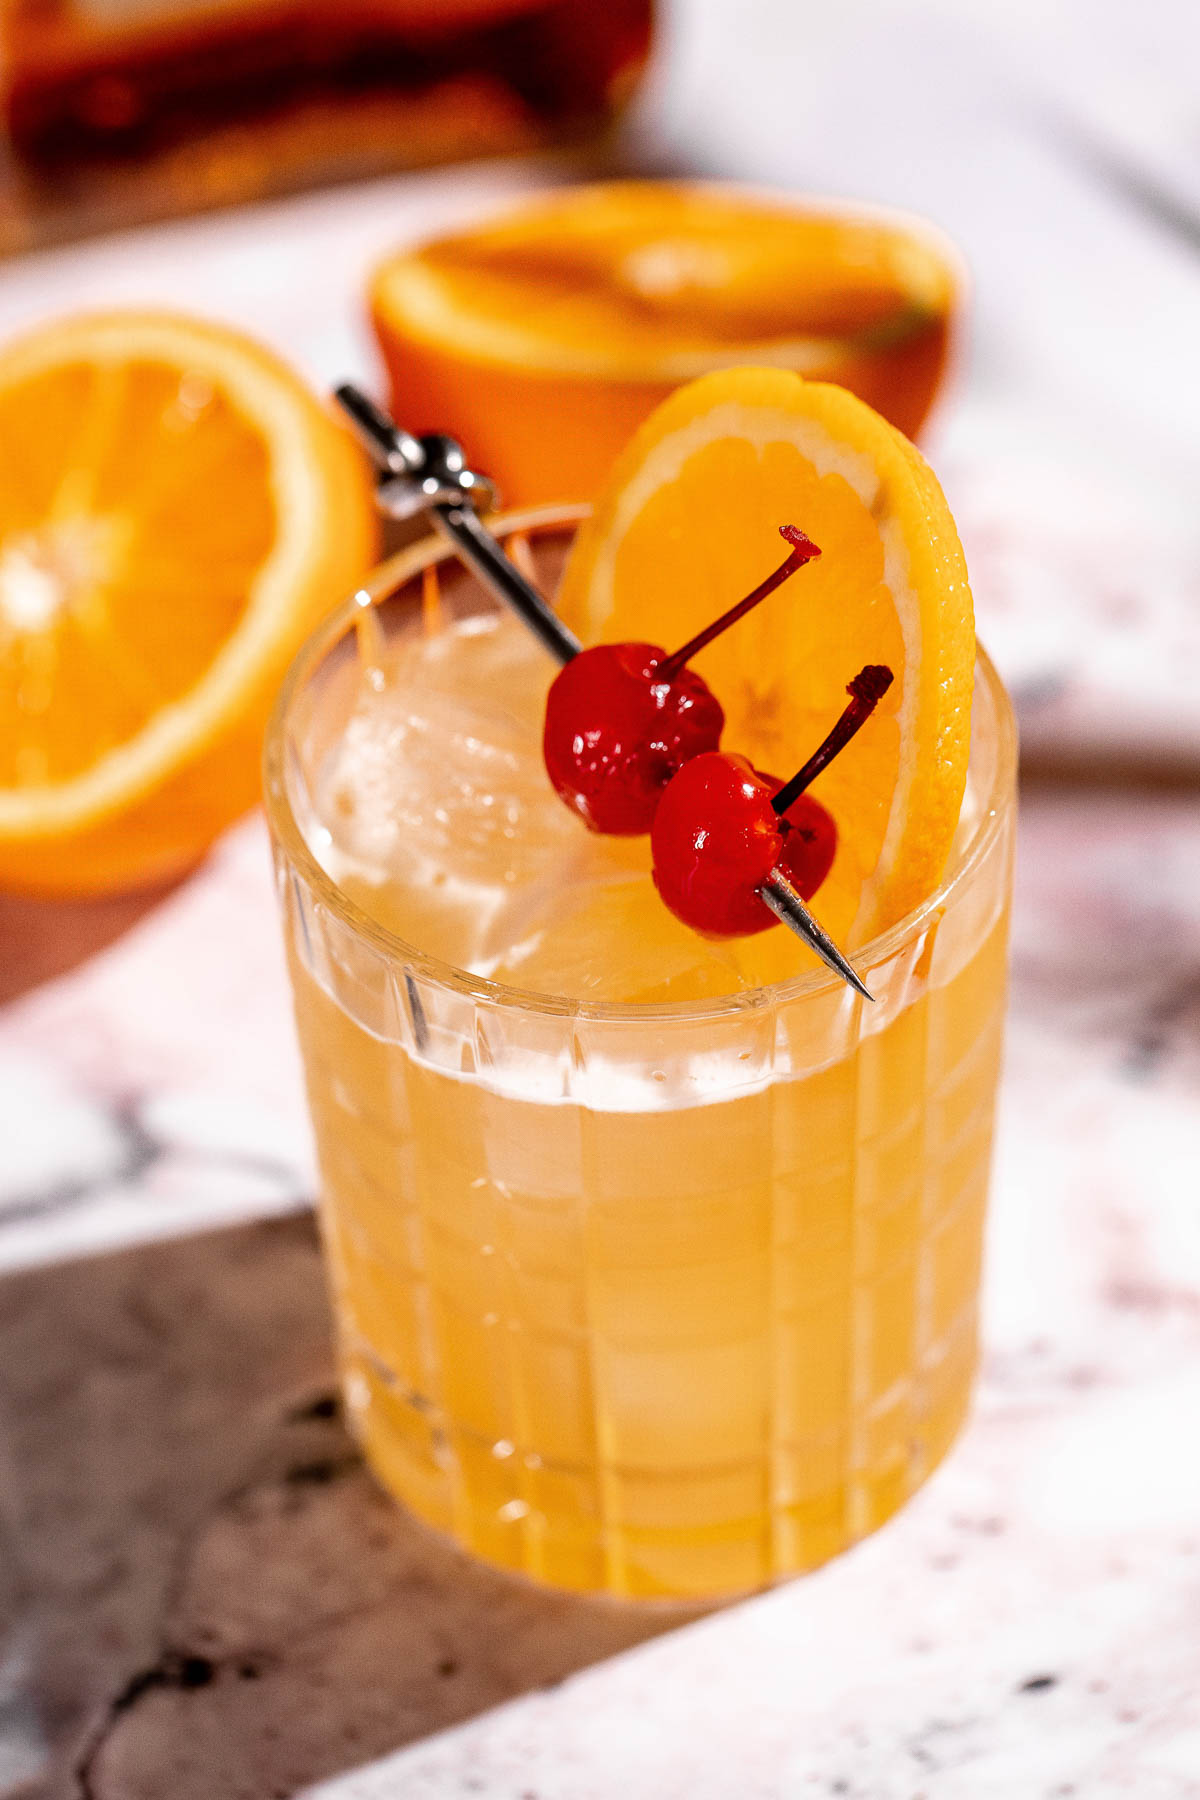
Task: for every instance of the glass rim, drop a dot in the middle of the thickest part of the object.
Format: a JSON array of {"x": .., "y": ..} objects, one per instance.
[{"x": 381, "y": 584}]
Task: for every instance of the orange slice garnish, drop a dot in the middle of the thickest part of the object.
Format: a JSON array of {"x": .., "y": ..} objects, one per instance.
[
  {"x": 689, "y": 521},
  {"x": 177, "y": 512}
]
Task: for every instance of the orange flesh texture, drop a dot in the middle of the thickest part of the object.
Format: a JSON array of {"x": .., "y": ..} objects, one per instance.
[
  {"x": 140, "y": 504},
  {"x": 564, "y": 326},
  {"x": 680, "y": 278},
  {"x": 117, "y": 654},
  {"x": 711, "y": 533}
]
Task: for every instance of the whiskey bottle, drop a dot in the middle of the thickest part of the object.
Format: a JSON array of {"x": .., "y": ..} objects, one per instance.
[{"x": 114, "y": 111}]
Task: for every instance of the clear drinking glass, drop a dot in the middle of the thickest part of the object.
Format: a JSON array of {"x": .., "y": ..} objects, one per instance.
[{"x": 668, "y": 1300}]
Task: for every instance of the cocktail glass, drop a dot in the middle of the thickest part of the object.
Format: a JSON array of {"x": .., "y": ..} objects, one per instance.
[{"x": 670, "y": 1300}]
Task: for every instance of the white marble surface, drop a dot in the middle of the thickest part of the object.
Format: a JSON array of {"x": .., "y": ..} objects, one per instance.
[
  {"x": 155, "y": 1087},
  {"x": 149, "y": 1088}
]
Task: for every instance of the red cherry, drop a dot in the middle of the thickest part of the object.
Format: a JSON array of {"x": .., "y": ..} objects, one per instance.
[
  {"x": 722, "y": 827},
  {"x": 622, "y": 718},
  {"x": 717, "y": 837},
  {"x": 809, "y": 843},
  {"x": 616, "y": 731}
]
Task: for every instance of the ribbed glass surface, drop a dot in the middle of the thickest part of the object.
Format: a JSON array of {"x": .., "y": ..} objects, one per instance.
[{"x": 664, "y": 1302}]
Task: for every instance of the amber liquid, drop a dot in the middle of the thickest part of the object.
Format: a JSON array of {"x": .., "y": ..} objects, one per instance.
[
  {"x": 119, "y": 110},
  {"x": 676, "y": 1353},
  {"x": 666, "y": 1305}
]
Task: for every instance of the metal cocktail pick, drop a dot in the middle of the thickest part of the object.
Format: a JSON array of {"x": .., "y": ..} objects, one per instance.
[{"x": 430, "y": 474}]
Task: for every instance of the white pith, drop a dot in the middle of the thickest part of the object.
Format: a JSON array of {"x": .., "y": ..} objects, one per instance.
[{"x": 42, "y": 571}]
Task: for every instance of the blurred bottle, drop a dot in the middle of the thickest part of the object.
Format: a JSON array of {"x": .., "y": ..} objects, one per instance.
[{"x": 116, "y": 111}]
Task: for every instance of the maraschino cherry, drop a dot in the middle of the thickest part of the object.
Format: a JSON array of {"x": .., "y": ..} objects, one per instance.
[
  {"x": 622, "y": 719},
  {"x": 723, "y": 829}
]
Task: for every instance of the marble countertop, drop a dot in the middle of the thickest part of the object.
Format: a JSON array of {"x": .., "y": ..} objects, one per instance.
[{"x": 202, "y": 1593}]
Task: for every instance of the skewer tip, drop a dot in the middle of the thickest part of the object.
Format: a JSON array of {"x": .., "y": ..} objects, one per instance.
[{"x": 784, "y": 901}]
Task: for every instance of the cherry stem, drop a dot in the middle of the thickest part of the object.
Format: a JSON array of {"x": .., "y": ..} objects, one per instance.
[
  {"x": 865, "y": 691},
  {"x": 803, "y": 551}
]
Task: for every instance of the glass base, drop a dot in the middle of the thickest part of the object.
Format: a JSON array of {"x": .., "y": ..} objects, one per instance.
[{"x": 687, "y": 1535}]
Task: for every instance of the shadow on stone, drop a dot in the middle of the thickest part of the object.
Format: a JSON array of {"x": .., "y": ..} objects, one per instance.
[
  {"x": 211, "y": 1598},
  {"x": 45, "y": 938}
]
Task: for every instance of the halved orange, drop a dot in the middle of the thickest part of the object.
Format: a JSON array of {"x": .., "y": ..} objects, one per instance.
[
  {"x": 542, "y": 339},
  {"x": 689, "y": 521},
  {"x": 176, "y": 512}
]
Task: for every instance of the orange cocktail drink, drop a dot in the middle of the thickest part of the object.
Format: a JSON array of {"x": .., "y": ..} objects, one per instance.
[{"x": 648, "y": 1277}]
